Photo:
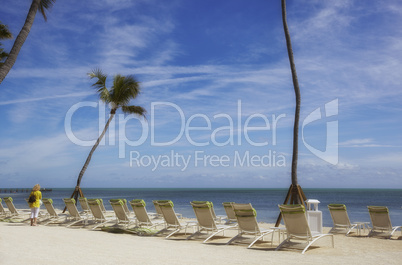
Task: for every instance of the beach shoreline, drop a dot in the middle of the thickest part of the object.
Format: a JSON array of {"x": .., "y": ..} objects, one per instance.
[
  {"x": 56, "y": 244},
  {"x": 265, "y": 201}
]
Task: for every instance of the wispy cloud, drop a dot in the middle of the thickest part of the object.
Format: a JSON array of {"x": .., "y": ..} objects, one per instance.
[
  {"x": 26, "y": 100},
  {"x": 363, "y": 143}
]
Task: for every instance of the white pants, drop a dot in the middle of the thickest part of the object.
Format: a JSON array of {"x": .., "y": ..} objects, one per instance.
[{"x": 34, "y": 213}]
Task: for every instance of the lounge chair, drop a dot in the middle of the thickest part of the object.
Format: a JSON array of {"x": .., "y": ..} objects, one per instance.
[
  {"x": 101, "y": 203},
  {"x": 171, "y": 219},
  {"x": 297, "y": 228},
  {"x": 381, "y": 222},
  {"x": 206, "y": 219},
  {"x": 125, "y": 207},
  {"x": 84, "y": 205},
  {"x": 141, "y": 214},
  {"x": 121, "y": 214},
  {"x": 73, "y": 212},
  {"x": 51, "y": 215},
  {"x": 230, "y": 214},
  {"x": 340, "y": 218},
  {"x": 10, "y": 205},
  {"x": 217, "y": 218},
  {"x": 2, "y": 211},
  {"x": 159, "y": 211},
  {"x": 246, "y": 217},
  {"x": 98, "y": 214}
]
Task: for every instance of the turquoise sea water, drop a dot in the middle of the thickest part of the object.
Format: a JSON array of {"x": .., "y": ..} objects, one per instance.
[{"x": 265, "y": 201}]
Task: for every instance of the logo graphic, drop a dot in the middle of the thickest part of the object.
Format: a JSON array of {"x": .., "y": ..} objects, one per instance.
[
  {"x": 199, "y": 130},
  {"x": 330, "y": 154}
]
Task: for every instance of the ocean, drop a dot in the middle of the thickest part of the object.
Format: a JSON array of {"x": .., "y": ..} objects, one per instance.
[{"x": 265, "y": 201}]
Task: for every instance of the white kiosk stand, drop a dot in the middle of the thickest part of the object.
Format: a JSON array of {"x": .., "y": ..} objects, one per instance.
[{"x": 314, "y": 216}]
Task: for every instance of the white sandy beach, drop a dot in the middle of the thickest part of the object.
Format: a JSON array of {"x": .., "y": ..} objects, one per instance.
[{"x": 56, "y": 244}]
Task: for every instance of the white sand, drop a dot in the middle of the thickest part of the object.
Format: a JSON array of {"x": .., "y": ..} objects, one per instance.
[{"x": 56, "y": 244}]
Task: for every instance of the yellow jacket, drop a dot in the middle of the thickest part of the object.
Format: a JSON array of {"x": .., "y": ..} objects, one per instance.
[{"x": 38, "y": 196}]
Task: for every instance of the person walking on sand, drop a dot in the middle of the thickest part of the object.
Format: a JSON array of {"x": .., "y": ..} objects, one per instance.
[{"x": 35, "y": 204}]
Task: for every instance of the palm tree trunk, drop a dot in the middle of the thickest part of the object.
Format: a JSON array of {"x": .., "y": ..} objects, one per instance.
[
  {"x": 77, "y": 191},
  {"x": 84, "y": 168},
  {"x": 19, "y": 41},
  {"x": 297, "y": 92},
  {"x": 295, "y": 193}
]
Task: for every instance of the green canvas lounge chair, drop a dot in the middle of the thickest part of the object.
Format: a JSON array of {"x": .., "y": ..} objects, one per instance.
[
  {"x": 340, "y": 219},
  {"x": 171, "y": 219},
  {"x": 98, "y": 215},
  {"x": 51, "y": 216},
  {"x": 159, "y": 211},
  {"x": 230, "y": 214},
  {"x": 2, "y": 210},
  {"x": 141, "y": 214},
  {"x": 84, "y": 205},
  {"x": 74, "y": 216},
  {"x": 121, "y": 213},
  {"x": 125, "y": 207},
  {"x": 246, "y": 217},
  {"x": 297, "y": 228},
  {"x": 11, "y": 208},
  {"x": 101, "y": 204},
  {"x": 381, "y": 222},
  {"x": 206, "y": 219}
]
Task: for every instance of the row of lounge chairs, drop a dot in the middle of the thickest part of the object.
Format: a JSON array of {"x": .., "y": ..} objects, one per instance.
[
  {"x": 379, "y": 215},
  {"x": 239, "y": 216}
]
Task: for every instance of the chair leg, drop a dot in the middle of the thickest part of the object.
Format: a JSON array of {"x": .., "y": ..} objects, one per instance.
[
  {"x": 233, "y": 239},
  {"x": 281, "y": 244},
  {"x": 313, "y": 241},
  {"x": 160, "y": 231},
  {"x": 255, "y": 240},
  {"x": 193, "y": 234},
  {"x": 394, "y": 229},
  {"x": 354, "y": 226},
  {"x": 174, "y": 232},
  {"x": 212, "y": 235},
  {"x": 81, "y": 220},
  {"x": 52, "y": 219}
]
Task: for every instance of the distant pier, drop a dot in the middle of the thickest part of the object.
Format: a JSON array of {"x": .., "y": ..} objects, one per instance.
[{"x": 18, "y": 190}]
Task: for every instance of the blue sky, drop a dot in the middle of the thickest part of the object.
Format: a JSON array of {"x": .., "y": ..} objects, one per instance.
[{"x": 217, "y": 86}]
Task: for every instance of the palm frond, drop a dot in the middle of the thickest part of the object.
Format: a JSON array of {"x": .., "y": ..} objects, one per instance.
[
  {"x": 124, "y": 89},
  {"x": 45, "y": 5},
  {"x": 5, "y": 32},
  {"x": 100, "y": 84},
  {"x": 137, "y": 110}
]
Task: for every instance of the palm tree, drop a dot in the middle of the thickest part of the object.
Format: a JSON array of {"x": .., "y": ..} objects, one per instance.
[
  {"x": 4, "y": 34},
  {"x": 36, "y": 5},
  {"x": 124, "y": 89},
  {"x": 295, "y": 193}
]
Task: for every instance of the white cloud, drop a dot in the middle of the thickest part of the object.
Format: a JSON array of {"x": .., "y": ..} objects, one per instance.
[
  {"x": 368, "y": 142},
  {"x": 36, "y": 153},
  {"x": 26, "y": 100},
  {"x": 354, "y": 142}
]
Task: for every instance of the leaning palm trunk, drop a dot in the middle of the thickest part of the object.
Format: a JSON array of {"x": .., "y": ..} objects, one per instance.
[
  {"x": 77, "y": 190},
  {"x": 19, "y": 41},
  {"x": 295, "y": 193},
  {"x": 297, "y": 93}
]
